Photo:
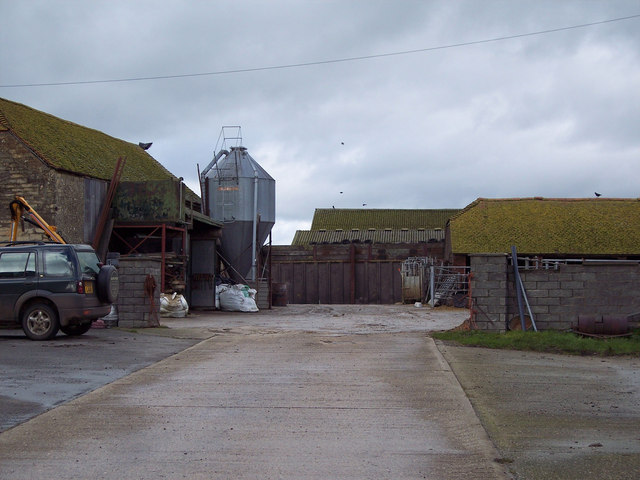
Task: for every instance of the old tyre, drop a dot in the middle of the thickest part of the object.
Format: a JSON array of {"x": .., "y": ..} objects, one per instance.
[
  {"x": 40, "y": 322},
  {"x": 107, "y": 284},
  {"x": 73, "y": 330}
]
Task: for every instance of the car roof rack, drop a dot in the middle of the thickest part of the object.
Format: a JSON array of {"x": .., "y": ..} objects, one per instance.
[{"x": 27, "y": 242}]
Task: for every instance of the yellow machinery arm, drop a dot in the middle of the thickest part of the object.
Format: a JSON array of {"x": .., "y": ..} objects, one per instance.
[{"x": 21, "y": 209}]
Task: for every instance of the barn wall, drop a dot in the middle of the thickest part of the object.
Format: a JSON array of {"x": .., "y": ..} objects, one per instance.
[
  {"x": 345, "y": 273},
  {"x": 556, "y": 297},
  {"x": 70, "y": 202}
]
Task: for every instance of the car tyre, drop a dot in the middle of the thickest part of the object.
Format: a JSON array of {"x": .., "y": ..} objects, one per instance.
[
  {"x": 74, "y": 330},
  {"x": 107, "y": 284},
  {"x": 40, "y": 322}
]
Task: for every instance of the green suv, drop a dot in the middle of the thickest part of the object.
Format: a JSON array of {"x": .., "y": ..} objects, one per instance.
[{"x": 48, "y": 287}]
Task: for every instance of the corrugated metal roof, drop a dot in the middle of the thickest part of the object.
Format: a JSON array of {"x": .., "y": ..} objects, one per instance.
[
  {"x": 364, "y": 218},
  {"x": 593, "y": 226},
  {"x": 390, "y": 236}
]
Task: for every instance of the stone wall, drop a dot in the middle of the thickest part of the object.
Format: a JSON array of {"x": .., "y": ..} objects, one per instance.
[
  {"x": 58, "y": 197},
  {"x": 556, "y": 296},
  {"x": 134, "y": 308}
]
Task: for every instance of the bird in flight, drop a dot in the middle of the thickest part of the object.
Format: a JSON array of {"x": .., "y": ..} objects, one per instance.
[{"x": 598, "y": 194}]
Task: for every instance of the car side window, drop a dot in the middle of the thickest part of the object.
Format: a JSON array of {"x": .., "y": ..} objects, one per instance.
[
  {"x": 31, "y": 265},
  {"x": 17, "y": 264},
  {"x": 57, "y": 264},
  {"x": 89, "y": 262}
]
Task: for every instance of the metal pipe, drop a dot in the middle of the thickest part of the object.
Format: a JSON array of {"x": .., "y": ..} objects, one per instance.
[
  {"x": 217, "y": 156},
  {"x": 526, "y": 300},
  {"x": 516, "y": 274},
  {"x": 163, "y": 254},
  {"x": 255, "y": 223},
  {"x": 432, "y": 285},
  {"x": 180, "y": 216}
]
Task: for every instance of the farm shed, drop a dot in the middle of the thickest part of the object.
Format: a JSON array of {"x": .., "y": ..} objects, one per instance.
[
  {"x": 64, "y": 170},
  {"x": 575, "y": 257},
  {"x": 355, "y": 255}
]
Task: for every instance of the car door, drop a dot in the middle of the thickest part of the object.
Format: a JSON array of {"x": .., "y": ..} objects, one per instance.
[{"x": 17, "y": 276}]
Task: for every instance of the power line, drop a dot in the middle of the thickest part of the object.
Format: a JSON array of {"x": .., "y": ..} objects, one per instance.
[{"x": 322, "y": 62}]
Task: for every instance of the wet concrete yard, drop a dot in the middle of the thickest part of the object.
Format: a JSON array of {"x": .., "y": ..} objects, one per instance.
[
  {"x": 37, "y": 376},
  {"x": 317, "y": 392},
  {"x": 261, "y": 399}
]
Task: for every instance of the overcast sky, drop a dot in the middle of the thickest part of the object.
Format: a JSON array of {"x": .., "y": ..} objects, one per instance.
[{"x": 461, "y": 117}]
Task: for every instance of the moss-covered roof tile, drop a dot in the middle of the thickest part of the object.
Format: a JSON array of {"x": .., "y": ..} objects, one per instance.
[
  {"x": 379, "y": 218},
  {"x": 73, "y": 148},
  {"x": 539, "y": 226}
]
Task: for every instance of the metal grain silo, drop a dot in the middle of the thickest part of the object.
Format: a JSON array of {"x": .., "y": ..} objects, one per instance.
[{"x": 240, "y": 193}]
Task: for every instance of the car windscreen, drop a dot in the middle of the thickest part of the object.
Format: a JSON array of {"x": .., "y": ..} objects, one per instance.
[{"x": 89, "y": 262}]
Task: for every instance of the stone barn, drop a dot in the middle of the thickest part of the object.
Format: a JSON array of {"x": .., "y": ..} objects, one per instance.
[{"x": 64, "y": 170}]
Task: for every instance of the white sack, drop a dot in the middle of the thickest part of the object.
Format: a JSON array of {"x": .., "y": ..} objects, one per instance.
[
  {"x": 237, "y": 298},
  {"x": 174, "y": 305}
]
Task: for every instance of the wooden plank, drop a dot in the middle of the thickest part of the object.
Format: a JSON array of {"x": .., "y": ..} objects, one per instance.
[
  {"x": 298, "y": 283},
  {"x": 324, "y": 283},
  {"x": 339, "y": 293},
  {"x": 386, "y": 283},
  {"x": 285, "y": 275},
  {"x": 361, "y": 284},
  {"x": 373, "y": 274},
  {"x": 397, "y": 281},
  {"x": 311, "y": 283}
]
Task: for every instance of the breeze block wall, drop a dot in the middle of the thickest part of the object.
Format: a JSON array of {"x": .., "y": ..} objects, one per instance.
[
  {"x": 134, "y": 307},
  {"x": 557, "y": 295},
  {"x": 489, "y": 290}
]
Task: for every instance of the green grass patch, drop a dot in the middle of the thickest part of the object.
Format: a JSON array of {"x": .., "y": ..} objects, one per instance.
[{"x": 546, "y": 341}]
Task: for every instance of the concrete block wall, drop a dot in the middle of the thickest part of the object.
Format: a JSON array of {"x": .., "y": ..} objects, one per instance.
[
  {"x": 134, "y": 307},
  {"x": 489, "y": 290},
  {"x": 556, "y": 296}
]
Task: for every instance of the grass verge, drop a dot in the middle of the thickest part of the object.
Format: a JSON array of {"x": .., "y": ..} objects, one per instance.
[{"x": 546, "y": 341}]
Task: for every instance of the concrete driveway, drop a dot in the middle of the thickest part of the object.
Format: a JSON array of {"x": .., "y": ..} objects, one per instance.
[
  {"x": 340, "y": 392},
  {"x": 37, "y": 376},
  {"x": 302, "y": 392}
]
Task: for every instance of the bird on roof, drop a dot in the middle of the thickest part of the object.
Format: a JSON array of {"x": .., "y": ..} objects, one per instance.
[
  {"x": 145, "y": 146},
  {"x": 598, "y": 194}
]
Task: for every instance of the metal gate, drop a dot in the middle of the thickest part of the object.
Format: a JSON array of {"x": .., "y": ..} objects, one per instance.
[{"x": 427, "y": 279}]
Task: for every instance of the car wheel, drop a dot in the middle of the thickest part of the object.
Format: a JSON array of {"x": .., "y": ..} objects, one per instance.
[
  {"x": 40, "y": 322},
  {"x": 73, "y": 330},
  {"x": 107, "y": 284}
]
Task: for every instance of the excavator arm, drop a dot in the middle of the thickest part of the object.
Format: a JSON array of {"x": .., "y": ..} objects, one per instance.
[{"x": 21, "y": 209}]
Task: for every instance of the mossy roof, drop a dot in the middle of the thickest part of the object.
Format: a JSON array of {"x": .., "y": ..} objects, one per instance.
[
  {"x": 547, "y": 226},
  {"x": 378, "y": 218},
  {"x": 70, "y": 147}
]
